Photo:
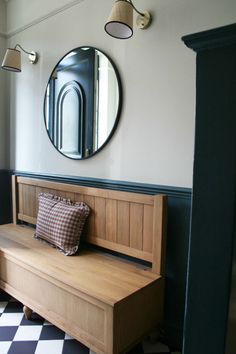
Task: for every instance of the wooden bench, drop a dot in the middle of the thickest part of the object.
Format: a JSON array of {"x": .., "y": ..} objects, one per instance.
[{"x": 105, "y": 301}]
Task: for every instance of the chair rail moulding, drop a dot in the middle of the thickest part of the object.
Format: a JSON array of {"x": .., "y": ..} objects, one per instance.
[{"x": 128, "y": 186}]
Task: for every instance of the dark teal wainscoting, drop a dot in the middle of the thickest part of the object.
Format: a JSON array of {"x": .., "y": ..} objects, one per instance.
[
  {"x": 5, "y": 197},
  {"x": 179, "y": 202}
]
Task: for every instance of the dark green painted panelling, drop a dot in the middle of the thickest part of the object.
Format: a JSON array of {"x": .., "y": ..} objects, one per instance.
[
  {"x": 176, "y": 263},
  {"x": 211, "y": 39},
  {"x": 214, "y": 192},
  {"x": 5, "y": 197},
  {"x": 179, "y": 200}
]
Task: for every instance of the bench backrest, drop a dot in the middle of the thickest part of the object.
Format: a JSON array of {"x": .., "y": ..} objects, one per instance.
[{"x": 132, "y": 224}]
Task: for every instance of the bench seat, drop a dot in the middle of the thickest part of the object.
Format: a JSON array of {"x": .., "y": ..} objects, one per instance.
[
  {"x": 93, "y": 296},
  {"x": 100, "y": 275}
]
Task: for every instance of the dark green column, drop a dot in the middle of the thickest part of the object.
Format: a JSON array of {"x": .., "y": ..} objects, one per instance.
[{"x": 214, "y": 192}]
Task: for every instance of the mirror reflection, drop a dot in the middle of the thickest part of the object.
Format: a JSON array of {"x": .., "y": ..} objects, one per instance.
[{"x": 82, "y": 102}]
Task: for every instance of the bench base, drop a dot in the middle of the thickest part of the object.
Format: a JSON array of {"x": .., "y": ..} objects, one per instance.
[
  {"x": 109, "y": 324},
  {"x": 27, "y": 312}
]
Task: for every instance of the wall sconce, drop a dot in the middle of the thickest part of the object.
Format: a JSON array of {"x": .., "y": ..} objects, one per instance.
[
  {"x": 120, "y": 21},
  {"x": 12, "y": 58}
]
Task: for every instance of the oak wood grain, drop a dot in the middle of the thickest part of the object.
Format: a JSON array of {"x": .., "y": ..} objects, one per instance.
[
  {"x": 106, "y": 302},
  {"x": 128, "y": 223}
]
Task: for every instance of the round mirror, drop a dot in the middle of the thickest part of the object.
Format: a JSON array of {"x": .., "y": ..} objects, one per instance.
[{"x": 82, "y": 102}]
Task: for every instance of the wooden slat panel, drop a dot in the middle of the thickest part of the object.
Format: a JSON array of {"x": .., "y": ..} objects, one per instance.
[
  {"x": 60, "y": 193},
  {"x": 100, "y": 217},
  {"x": 27, "y": 218},
  {"x": 102, "y": 193},
  {"x": 20, "y": 198},
  {"x": 39, "y": 190},
  {"x": 70, "y": 196},
  {"x": 124, "y": 222},
  {"x": 123, "y": 229},
  {"x": 148, "y": 228},
  {"x": 136, "y": 226},
  {"x": 29, "y": 200},
  {"x": 78, "y": 197},
  {"x": 111, "y": 220},
  {"x": 14, "y": 199},
  {"x": 89, "y": 226},
  {"x": 159, "y": 231},
  {"x": 44, "y": 190}
]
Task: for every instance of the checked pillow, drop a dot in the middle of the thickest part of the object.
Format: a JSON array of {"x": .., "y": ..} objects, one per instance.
[{"x": 60, "y": 222}]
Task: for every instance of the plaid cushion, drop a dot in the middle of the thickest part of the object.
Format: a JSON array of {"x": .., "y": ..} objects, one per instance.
[{"x": 60, "y": 222}]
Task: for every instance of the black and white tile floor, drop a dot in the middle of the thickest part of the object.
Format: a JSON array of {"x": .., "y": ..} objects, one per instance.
[{"x": 37, "y": 336}]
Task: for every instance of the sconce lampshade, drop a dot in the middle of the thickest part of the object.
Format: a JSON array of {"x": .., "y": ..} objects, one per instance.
[
  {"x": 120, "y": 21},
  {"x": 12, "y": 60}
]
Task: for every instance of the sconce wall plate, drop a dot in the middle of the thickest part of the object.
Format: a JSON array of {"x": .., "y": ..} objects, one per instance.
[
  {"x": 144, "y": 21},
  {"x": 33, "y": 57}
]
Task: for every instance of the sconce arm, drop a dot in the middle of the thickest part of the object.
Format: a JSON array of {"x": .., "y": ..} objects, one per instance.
[
  {"x": 144, "y": 19},
  {"x": 18, "y": 45},
  {"x": 140, "y": 13},
  {"x": 33, "y": 56}
]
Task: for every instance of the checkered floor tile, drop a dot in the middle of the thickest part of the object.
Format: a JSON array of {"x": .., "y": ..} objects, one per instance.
[{"x": 37, "y": 336}]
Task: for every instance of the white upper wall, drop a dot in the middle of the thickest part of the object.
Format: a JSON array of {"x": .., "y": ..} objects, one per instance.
[
  {"x": 21, "y": 13},
  {"x": 154, "y": 140},
  {"x": 2, "y": 17}
]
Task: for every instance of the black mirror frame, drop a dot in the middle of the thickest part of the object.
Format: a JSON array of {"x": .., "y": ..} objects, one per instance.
[{"x": 119, "y": 108}]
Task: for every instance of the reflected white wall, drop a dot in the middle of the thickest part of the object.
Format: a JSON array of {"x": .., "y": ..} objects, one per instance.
[{"x": 107, "y": 108}]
